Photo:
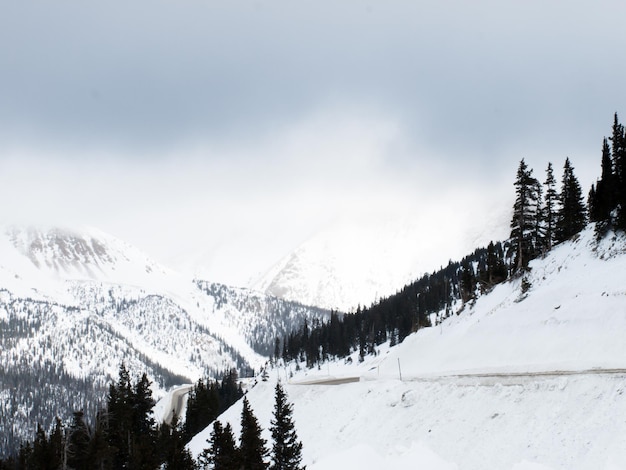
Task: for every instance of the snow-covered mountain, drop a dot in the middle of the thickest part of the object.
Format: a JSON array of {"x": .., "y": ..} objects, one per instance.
[
  {"x": 357, "y": 263},
  {"x": 75, "y": 304},
  {"x": 524, "y": 378}
]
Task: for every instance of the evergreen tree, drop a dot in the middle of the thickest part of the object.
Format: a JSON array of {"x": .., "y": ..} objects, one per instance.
[
  {"x": 177, "y": 457},
  {"x": 143, "y": 443},
  {"x": 57, "y": 445},
  {"x": 100, "y": 452},
  {"x": 525, "y": 215},
  {"x": 222, "y": 453},
  {"x": 41, "y": 455},
  {"x": 572, "y": 216},
  {"x": 550, "y": 208},
  {"x": 252, "y": 450},
  {"x": 494, "y": 271},
  {"x": 120, "y": 419},
  {"x": 78, "y": 444},
  {"x": 618, "y": 141},
  {"x": 286, "y": 448},
  {"x": 467, "y": 282}
]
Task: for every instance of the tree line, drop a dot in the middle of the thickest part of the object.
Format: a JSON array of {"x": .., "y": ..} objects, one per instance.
[{"x": 544, "y": 215}]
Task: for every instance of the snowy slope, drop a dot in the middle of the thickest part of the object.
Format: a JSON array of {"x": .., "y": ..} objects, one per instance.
[{"x": 530, "y": 381}]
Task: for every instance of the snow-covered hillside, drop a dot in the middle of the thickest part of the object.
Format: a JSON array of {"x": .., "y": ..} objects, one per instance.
[
  {"x": 74, "y": 305},
  {"x": 531, "y": 380}
]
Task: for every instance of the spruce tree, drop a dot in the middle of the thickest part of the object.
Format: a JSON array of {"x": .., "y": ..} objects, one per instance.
[
  {"x": 524, "y": 234},
  {"x": 572, "y": 216},
  {"x": 100, "y": 452},
  {"x": 143, "y": 450},
  {"x": 618, "y": 141},
  {"x": 286, "y": 448},
  {"x": 252, "y": 450},
  {"x": 550, "y": 208},
  {"x": 78, "y": 444},
  {"x": 222, "y": 453},
  {"x": 120, "y": 419},
  {"x": 172, "y": 445}
]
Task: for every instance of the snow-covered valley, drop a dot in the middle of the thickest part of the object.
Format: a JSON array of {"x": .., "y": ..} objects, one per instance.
[
  {"x": 518, "y": 380},
  {"x": 74, "y": 305}
]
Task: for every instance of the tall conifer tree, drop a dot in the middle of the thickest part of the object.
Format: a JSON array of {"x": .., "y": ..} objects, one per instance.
[
  {"x": 619, "y": 167},
  {"x": 572, "y": 216},
  {"x": 550, "y": 213},
  {"x": 252, "y": 450},
  {"x": 525, "y": 213},
  {"x": 286, "y": 448}
]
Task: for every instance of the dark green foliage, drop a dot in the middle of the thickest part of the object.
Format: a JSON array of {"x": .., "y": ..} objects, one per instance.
[
  {"x": 607, "y": 200},
  {"x": 175, "y": 455},
  {"x": 286, "y": 448},
  {"x": 252, "y": 450},
  {"x": 208, "y": 399},
  {"x": 395, "y": 317},
  {"x": 78, "y": 444},
  {"x": 100, "y": 452},
  {"x": 124, "y": 437},
  {"x": 222, "y": 453},
  {"x": 467, "y": 282},
  {"x": 46, "y": 452},
  {"x": 618, "y": 141},
  {"x": 572, "y": 216},
  {"x": 494, "y": 269},
  {"x": 525, "y": 236},
  {"x": 602, "y": 200},
  {"x": 550, "y": 209}
]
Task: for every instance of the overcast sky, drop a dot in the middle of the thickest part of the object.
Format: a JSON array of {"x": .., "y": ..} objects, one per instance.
[{"x": 250, "y": 125}]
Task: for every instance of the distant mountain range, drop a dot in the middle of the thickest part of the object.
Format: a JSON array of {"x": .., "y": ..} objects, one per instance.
[{"x": 74, "y": 305}]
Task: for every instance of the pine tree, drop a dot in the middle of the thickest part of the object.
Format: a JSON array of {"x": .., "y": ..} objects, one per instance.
[
  {"x": 252, "y": 450},
  {"x": 524, "y": 234},
  {"x": 618, "y": 141},
  {"x": 572, "y": 216},
  {"x": 57, "y": 445},
  {"x": 286, "y": 448},
  {"x": 100, "y": 452},
  {"x": 143, "y": 450},
  {"x": 120, "y": 419},
  {"x": 78, "y": 444},
  {"x": 550, "y": 208},
  {"x": 222, "y": 453},
  {"x": 467, "y": 282},
  {"x": 41, "y": 450},
  {"x": 176, "y": 457}
]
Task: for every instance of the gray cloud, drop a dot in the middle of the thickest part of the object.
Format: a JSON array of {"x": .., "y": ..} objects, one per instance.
[{"x": 180, "y": 114}]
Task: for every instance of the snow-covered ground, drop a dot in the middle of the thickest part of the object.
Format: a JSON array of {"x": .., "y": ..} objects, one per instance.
[{"x": 517, "y": 381}]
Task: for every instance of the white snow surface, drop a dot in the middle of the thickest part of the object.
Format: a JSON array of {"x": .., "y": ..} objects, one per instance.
[{"x": 532, "y": 381}]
